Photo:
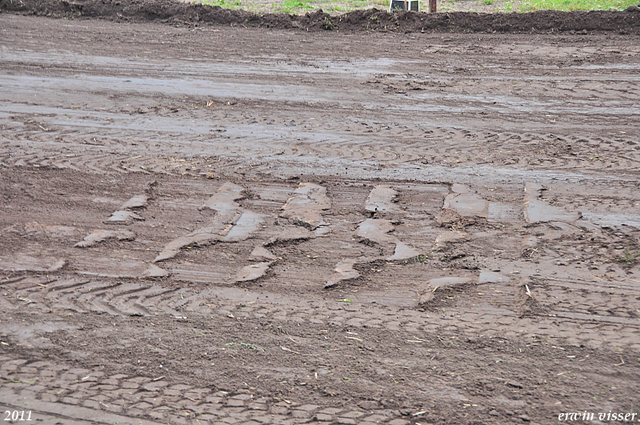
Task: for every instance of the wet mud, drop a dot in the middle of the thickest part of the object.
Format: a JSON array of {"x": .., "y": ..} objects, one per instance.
[
  {"x": 169, "y": 11},
  {"x": 240, "y": 225}
]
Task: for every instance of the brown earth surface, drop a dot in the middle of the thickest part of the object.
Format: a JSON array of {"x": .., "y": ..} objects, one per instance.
[
  {"x": 215, "y": 224},
  {"x": 370, "y": 20}
]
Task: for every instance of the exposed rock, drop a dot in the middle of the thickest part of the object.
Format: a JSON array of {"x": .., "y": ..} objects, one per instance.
[
  {"x": 248, "y": 223},
  {"x": 375, "y": 230},
  {"x": 155, "y": 272},
  {"x": 98, "y": 236},
  {"x": 260, "y": 253},
  {"x": 403, "y": 252},
  {"x": 381, "y": 200},
  {"x": 343, "y": 271},
  {"x": 252, "y": 272},
  {"x": 123, "y": 217},
  {"x": 465, "y": 203},
  {"x": 306, "y": 205},
  {"x": 537, "y": 210},
  {"x": 225, "y": 198},
  {"x": 138, "y": 201},
  {"x": 289, "y": 236}
]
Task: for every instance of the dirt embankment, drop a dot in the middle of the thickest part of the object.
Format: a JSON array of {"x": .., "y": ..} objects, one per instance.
[{"x": 623, "y": 22}]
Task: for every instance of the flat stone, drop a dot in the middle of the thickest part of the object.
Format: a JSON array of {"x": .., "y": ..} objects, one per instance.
[
  {"x": 487, "y": 276},
  {"x": 539, "y": 211},
  {"x": 448, "y": 282},
  {"x": 322, "y": 230},
  {"x": 138, "y": 201},
  {"x": 155, "y": 272},
  {"x": 98, "y": 236},
  {"x": 343, "y": 271},
  {"x": 123, "y": 217},
  {"x": 403, "y": 252},
  {"x": 504, "y": 213},
  {"x": 215, "y": 230},
  {"x": 380, "y": 199},
  {"x": 260, "y": 253},
  {"x": 467, "y": 204},
  {"x": 248, "y": 223},
  {"x": 450, "y": 237},
  {"x": 173, "y": 248},
  {"x": 225, "y": 198},
  {"x": 375, "y": 230},
  {"x": 292, "y": 235},
  {"x": 220, "y": 224},
  {"x": 306, "y": 205},
  {"x": 252, "y": 272}
]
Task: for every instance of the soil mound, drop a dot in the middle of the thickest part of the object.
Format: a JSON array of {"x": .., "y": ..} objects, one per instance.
[{"x": 624, "y": 22}]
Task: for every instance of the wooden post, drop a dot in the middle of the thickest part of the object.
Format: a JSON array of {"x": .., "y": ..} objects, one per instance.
[{"x": 432, "y": 6}]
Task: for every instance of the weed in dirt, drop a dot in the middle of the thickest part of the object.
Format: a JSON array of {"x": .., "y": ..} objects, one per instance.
[
  {"x": 244, "y": 344},
  {"x": 418, "y": 259},
  {"x": 629, "y": 256},
  {"x": 225, "y": 4},
  {"x": 298, "y": 7},
  {"x": 293, "y": 6},
  {"x": 570, "y": 5}
]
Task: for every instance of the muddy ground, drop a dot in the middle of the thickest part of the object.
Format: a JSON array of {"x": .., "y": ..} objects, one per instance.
[{"x": 214, "y": 224}]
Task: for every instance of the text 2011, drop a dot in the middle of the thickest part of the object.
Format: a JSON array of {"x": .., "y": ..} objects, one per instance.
[{"x": 17, "y": 415}]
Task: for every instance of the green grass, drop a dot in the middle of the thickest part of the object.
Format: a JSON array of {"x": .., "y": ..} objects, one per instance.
[
  {"x": 225, "y": 4},
  {"x": 569, "y": 5},
  {"x": 297, "y": 7},
  {"x": 293, "y": 6},
  {"x": 629, "y": 256}
]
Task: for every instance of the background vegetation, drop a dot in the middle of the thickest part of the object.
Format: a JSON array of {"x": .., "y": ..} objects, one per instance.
[{"x": 488, "y": 6}]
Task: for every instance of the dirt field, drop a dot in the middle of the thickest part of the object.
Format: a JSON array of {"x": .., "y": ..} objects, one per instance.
[{"x": 215, "y": 224}]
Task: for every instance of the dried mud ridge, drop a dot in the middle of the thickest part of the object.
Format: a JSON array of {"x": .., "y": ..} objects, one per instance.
[{"x": 624, "y": 22}]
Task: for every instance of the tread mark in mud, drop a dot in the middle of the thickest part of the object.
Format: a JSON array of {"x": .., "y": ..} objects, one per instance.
[{"x": 64, "y": 390}]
